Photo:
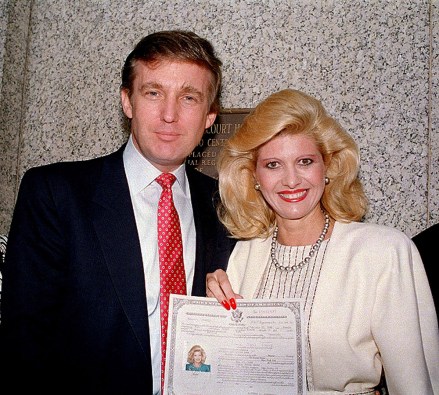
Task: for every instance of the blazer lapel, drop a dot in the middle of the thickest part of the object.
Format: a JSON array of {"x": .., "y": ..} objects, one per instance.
[
  {"x": 115, "y": 226},
  {"x": 203, "y": 209}
]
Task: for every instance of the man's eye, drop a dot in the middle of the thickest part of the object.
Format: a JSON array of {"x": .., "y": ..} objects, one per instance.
[{"x": 189, "y": 98}]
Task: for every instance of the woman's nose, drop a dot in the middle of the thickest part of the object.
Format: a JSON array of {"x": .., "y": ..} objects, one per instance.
[{"x": 291, "y": 178}]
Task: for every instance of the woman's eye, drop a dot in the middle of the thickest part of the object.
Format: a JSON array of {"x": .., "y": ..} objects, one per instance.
[
  {"x": 272, "y": 165},
  {"x": 306, "y": 161}
]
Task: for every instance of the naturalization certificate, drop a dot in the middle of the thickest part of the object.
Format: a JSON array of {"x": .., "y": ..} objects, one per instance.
[{"x": 257, "y": 349}]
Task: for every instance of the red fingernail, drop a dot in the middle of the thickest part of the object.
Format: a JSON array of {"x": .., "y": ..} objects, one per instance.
[
  {"x": 225, "y": 304},
  {"x": 233, "y": 303}
]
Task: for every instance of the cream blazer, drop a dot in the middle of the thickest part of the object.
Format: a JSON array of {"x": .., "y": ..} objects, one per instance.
[{"x": 373, "y": 308}]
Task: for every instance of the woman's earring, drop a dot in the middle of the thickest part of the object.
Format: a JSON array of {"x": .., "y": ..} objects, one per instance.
[
  {"x": 257, "y": 186},
  {"x": 326, "y": 180}
]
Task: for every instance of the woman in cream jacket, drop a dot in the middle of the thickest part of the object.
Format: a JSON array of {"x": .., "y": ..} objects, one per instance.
[{"x": 291, "y": 194}]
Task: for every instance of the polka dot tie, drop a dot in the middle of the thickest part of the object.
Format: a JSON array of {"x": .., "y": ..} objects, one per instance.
[{"x": 172, "y": 276}]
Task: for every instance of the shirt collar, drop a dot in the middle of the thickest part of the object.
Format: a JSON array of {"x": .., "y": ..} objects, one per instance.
[{"x": 141, "y": 173}]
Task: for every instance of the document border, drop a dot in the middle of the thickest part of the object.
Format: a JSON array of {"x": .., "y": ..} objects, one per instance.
[{"x": 294, "y": 305}]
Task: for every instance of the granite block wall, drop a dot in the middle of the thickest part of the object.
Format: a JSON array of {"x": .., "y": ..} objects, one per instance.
[{"x": 373, "y": 63}]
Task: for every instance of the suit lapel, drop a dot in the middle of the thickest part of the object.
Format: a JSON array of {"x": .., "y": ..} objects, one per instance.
[
  {"x": 202, "y": 205},
  {"x": 115, "y": 226}
]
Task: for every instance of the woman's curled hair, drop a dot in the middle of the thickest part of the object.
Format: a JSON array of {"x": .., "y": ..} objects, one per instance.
[{"x": 243, "y": 209}]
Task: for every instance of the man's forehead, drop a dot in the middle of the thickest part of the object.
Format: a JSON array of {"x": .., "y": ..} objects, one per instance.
[{"x": 185, "y": 74}]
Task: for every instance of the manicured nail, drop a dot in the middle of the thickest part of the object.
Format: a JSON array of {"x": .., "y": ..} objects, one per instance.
[
  {"x": 233, "y": 303},
  {"x": 225, "y": 304}
]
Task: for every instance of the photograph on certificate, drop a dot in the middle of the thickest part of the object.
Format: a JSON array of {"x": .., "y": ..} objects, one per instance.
[{"x": 259, "y": 348}]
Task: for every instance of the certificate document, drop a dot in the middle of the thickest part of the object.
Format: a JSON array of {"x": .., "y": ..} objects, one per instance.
[{"x": 257, "y": 349}]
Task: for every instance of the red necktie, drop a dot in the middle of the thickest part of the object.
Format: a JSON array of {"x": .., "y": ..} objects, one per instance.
[{"x": 172, "y": 276}]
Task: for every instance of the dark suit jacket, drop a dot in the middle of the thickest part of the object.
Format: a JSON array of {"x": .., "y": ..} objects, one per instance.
[
  {"x": 426, "y": 244},
  {"x": 74, "y": 313}
]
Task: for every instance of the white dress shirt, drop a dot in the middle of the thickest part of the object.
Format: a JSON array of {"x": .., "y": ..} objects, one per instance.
[{"x": 145, "y": 193}]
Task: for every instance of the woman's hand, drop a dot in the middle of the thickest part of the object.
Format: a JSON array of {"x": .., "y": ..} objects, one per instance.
[{"x": 218, "y": 286}]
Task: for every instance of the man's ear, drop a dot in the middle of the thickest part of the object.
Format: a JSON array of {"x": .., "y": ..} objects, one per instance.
[
  {"x": 210, "y": 119},
  {"x": 126, "y": 103}
]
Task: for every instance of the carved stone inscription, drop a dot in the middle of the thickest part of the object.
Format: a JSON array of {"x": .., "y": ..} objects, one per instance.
[{"x": 203, "y": 158}]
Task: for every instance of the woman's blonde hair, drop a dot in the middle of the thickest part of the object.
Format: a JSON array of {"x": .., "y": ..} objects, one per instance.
[
  {"x": 243, "y": 209},
  {"x": 193, "y": 350}
]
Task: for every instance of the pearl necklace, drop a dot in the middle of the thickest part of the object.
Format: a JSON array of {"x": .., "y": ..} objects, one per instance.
[{"x": 314, "y": 248}]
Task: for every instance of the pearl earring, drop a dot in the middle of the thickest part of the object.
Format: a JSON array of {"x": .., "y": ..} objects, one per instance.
[
  {"x": 326, "y": 180},
  {"x": 257, "y": 186}
]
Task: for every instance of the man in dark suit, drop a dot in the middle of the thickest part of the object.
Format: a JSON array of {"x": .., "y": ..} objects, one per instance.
[
  {"x": 81, "y": 289},
  {"x": 426, "y": 244}
]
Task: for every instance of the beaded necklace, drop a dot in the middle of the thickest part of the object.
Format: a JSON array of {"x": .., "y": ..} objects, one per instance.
[{"x": 315, "y": 247}]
